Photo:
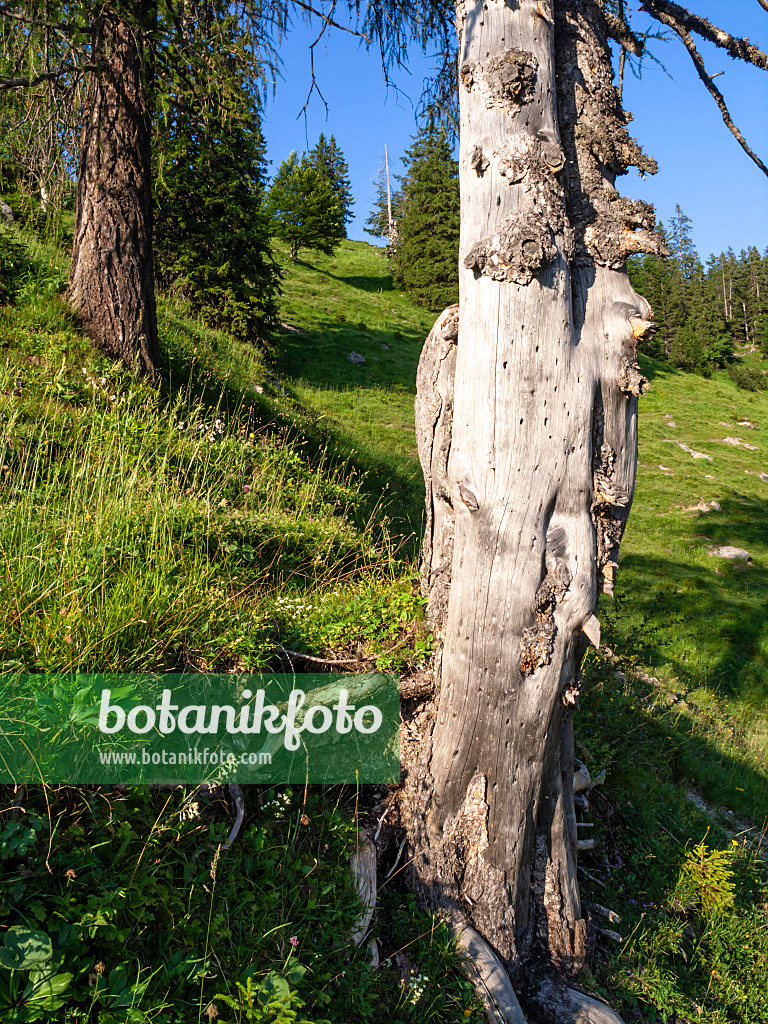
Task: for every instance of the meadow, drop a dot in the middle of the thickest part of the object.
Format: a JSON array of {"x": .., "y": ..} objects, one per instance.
[{"x": 271, "y": 498}]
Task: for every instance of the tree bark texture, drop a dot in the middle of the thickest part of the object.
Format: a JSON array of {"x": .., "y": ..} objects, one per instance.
[
  {"x": 526, "y": 416},
  {"x": 111, "y": 277}
]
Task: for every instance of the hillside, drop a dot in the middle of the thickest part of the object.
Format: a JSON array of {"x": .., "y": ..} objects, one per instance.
[{"x": 265, "y": 502}]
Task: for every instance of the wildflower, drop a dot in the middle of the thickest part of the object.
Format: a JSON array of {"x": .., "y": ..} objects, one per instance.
[
  {"x": 100, "y": 967},
  {"x": 70, "y": 873},
  {"x": 247, "y": 488},
  {"x": 294, "y": 941},
  {"x": 211, "y": 1011}
]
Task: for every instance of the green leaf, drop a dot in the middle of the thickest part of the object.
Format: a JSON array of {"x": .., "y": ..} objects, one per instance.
[
  {"x": 25, "y": 948},
  {"x": 44, "y": 992}
]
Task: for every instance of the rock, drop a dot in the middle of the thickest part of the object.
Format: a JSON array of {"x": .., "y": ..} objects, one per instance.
[
  {"x": 670, "y": 421},
  {"x": 356, "y": 358},
  {"x": 293, "y": 330},
  {"x": 736, "y": 442},
  {"x": 691, "y": 452},
  {"x": 746, "y": 423},
  {"x": 754, "y": 472},
  {"x": 732, "y": 553},
  {"x": 6, "y": 212},
  {"x": 375, "y": 359},
  {"x": 665, "y": 469},
  {"x": 385, "y": 346},
  {"x": 704, "y": 506}
]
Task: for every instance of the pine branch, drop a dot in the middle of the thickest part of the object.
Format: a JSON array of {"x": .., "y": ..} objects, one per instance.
[
  {"x": 620, "y": 32},
  {"x": 329, "y": 20},
  {"x": 7, "y": 11},
  {"x": 658, "y": 10},
  {"x": 47, "y": 76},
  {"x": 738, "y": 49}
]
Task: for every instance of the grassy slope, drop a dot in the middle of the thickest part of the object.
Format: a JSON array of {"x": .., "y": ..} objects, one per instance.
[
  {"x": 294, "y": 520},
  {"x": 695, "y": 622},
  {"x": 194, "y": 528}
]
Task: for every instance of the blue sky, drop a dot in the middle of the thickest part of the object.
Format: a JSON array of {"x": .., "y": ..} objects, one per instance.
[{"x": 701, "y": 166}]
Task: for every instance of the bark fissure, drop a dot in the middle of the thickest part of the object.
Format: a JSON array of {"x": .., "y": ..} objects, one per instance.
[{"x": 111, "y": 278}]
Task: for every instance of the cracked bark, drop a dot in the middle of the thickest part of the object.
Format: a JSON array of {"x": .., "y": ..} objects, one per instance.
[
  {"x": 111, "y": 278},
  {"x": 529, "y": 460}
]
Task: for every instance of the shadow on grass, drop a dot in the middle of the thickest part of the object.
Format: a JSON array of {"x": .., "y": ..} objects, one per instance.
[
  {"x": 654, "y": 368},
  {"x": 375, "y": 284},
  {"x": 718, "y": 611},
  {"x": 389, "y": 484},
  {"x": 319, "y": 356}
]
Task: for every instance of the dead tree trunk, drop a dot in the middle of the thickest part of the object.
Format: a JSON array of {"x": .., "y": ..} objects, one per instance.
[
  {"x": 111, "y": 277},
  {"x": 529, "y": 453}
]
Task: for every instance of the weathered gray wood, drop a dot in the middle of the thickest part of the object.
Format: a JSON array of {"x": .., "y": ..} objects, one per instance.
[
  {"x": 570, "y": 1006},
  {"x": 487, "y": 974},
  {"x": 363, "y": 866},
  {"x": 534, "y": 474}
]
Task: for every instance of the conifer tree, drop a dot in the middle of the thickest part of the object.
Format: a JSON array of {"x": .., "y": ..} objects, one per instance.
[
  {"x": 304, "y": 211},
  {"x": 425, "y": 259},
  {"x": 328, "y": 158},
  {"x": 211, "y": 228}
]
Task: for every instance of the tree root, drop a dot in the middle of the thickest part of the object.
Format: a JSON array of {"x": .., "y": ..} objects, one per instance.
[
  {"x": 487, "y": 973},
  {"x": 363, "y": 866},
  {"x": 235, "y": 793},
  {"x": 566, "y": 1004}
]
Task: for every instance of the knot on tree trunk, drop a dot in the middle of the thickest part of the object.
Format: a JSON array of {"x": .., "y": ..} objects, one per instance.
[
  {"x": 538, "y": 642},
  {"x": 610, "y": 499},
  {"x": 535, "y": 159},
  {"x": 630, "y": 380},
  {"x": 519, "y": 248},
  {"x": 507, "y": 80},
  {"x": 622, "y": 227}
]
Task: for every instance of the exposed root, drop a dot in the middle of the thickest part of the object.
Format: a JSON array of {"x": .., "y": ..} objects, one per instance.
[
  {"x": 363, "y": 866},
  {"x": 569, "y": 1006},
  {"x": 486, "y": 972}
]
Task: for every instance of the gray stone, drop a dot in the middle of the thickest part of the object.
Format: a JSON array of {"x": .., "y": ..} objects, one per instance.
[
  {"x": 734, "y": 554},
  {"x": 356, "y": 358},
  {"x": 6, "y": 212}
]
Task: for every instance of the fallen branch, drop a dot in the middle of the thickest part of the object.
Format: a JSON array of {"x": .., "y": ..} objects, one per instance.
[
  {"x": 235, "y": 793},
  {"x": 397, "y": 859},
  {"x": 321, "y": 661}
]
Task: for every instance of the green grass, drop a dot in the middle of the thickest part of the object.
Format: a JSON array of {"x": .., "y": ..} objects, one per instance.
[{"x": 258, "y": 500}]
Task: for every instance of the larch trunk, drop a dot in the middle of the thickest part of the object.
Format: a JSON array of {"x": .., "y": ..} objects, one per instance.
[
  {"x": 111, "y": 277},
  {"x": 526, "y": 420}
]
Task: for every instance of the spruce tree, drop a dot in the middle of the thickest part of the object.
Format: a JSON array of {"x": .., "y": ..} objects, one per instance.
[
  {"x": 328, "y": 158},
  {"x": 304, "y": 210},
  {"x": 211, "y": 228},
  {"x": 426, "y": 256}
]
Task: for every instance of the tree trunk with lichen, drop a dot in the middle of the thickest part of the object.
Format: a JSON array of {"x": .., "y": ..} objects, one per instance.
[
  {"x": 527, "y": 427},
  {"x": 111, "y": 277}
]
